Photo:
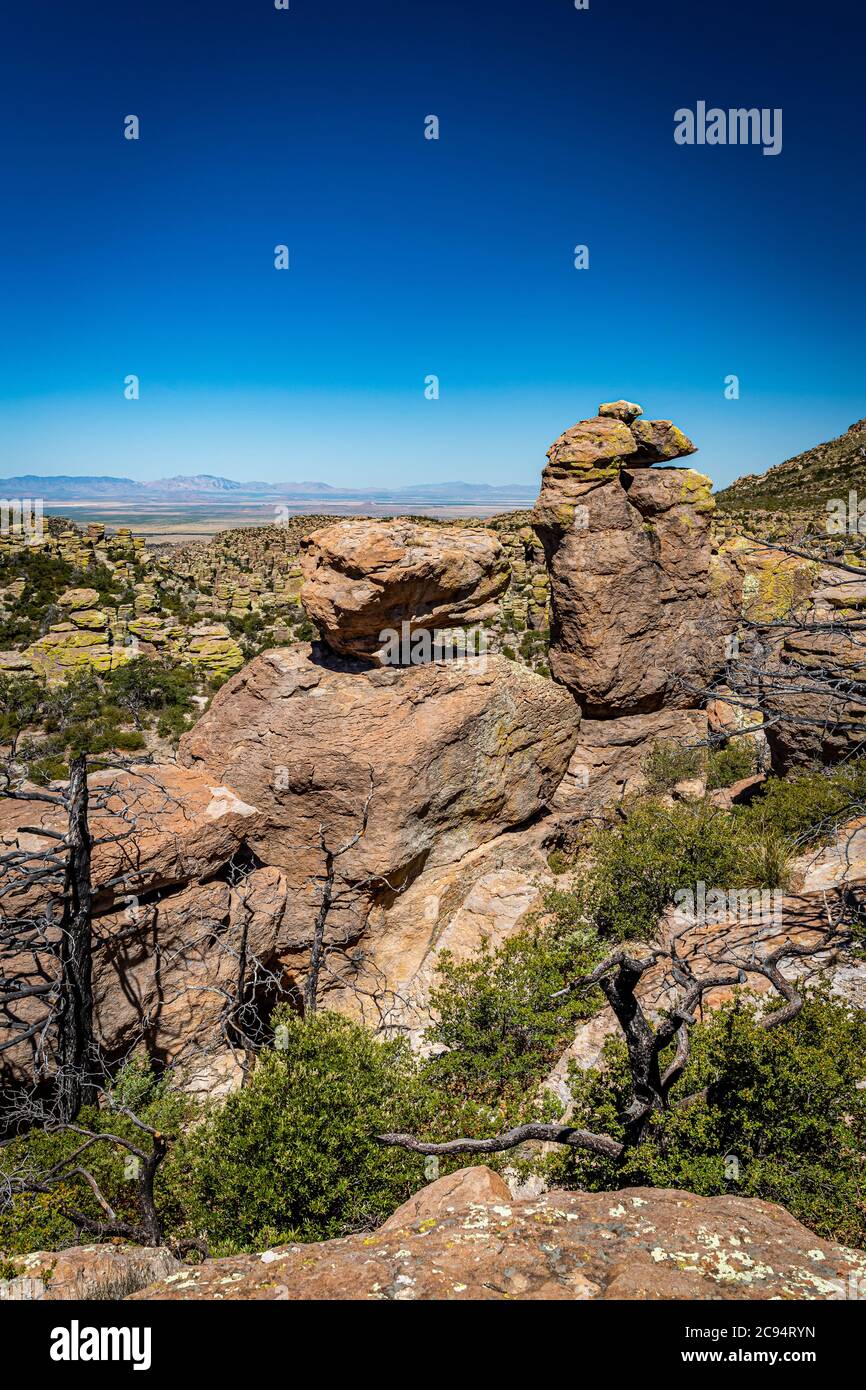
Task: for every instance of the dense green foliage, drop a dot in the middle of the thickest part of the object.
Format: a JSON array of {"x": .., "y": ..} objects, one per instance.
[
  {"x": 292, "y": 1155},
  {"x": 93, "y": 713},
  {"x": 731, "y": 763},
  {"x": 783, "y": 1101},
  {"x": 634, "y": 868},
  {"x": 37, "y": 1221},
  {"x": 807, "y": 807},
  {"x": 499, "y": 1027}
]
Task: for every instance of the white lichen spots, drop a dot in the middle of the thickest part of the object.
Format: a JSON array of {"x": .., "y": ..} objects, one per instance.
[
  {"x": 617, "y": 1211},
  {"x": 459, "y": 1288},
  {"x": 639, "y": 1202},
  {"x": 502, "y": 1211},
  {"x": 480, "y": 1218},
  {"x": 816, "y": 1255},
  {"x": 709, "y": 1238},
  {"x": 402, "y": 1254},
  {"x": 268, "y": 1257}
]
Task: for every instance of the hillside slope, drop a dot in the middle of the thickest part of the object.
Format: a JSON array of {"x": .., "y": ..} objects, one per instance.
[{"x": 804, "y": 483}]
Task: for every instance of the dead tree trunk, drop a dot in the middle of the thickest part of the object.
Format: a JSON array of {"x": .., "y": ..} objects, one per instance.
[{"x": 77, "y": 1077}]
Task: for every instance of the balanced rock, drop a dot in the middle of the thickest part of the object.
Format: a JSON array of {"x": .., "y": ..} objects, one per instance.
[
  {"x": 621, "y": 410},
  {"x": 630, "y": 556},
  {"x": 362, "y": 578}
]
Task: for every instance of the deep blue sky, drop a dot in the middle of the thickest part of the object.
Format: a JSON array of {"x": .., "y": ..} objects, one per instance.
[{"x": 412, "y": 257}]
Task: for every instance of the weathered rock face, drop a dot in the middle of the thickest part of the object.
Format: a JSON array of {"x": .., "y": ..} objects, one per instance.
[
  {"x": 629, "y": 552},
  {"x": 487, "y": 895},
  {"x": 87, "y": 1272},
  {"x": 608, "y": 761},
  {"x": 803, "y": 664},
  {"x": 457, "y": 752},
  {"x": 639, "y": 1243},
  {"x": 641, "y": 604},
  {"x": 447, "y": 757},
  {"x": 364, "y": 577}
]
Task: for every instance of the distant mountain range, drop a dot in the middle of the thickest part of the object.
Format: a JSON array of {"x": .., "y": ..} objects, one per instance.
[
  {"x": 806, "y": 482},
  {"x": 205, "y": 487}
]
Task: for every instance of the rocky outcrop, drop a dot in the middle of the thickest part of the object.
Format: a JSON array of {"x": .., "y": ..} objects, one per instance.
[
  {"x": 365, "y": 577},
  {"x": 640, "y": 605},
  {"x": 87, "y": 1272},
  {"x": 454, "y": 752},
  {"x": 447, "y": 758},
  {"x": 635, "y": 1244},
  {"x": 629, "y": 552}
]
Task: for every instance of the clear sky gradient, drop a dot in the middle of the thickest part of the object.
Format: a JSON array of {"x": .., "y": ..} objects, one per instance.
[{"x": 412, "y": 257}]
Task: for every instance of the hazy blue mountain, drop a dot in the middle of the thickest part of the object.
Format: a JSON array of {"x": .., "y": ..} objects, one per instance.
[{"x": 207, "y": 487}]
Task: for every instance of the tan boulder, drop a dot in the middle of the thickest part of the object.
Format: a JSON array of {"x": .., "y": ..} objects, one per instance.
[
  {"x": 104, "y": 1272},
  {"x": 362, "y": 578},
  {"x": 635, "y": 625},
  {"x": 79, "y": 598},
  {"x": 621, "y": 410},
  {"x": 455, "y": 1192},
  {"x": 457, "y": 752}
]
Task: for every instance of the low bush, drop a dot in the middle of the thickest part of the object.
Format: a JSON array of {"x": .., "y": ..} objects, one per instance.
[
  {"x": 787, "y": 1104},
  {"x": 731, "y": 763}
]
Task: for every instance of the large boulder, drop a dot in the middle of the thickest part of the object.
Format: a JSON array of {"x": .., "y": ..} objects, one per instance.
[
  {"x": 635, "y": 624},
  {"x": 362, "y": 578},
  {"x": 449, "y": 754},
  {"x": 634, "y": 1244}
]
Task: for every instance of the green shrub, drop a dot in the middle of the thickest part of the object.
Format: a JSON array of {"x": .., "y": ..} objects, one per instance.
[
  {"x": 633, "y": 869},
  {"x": 730, "y": 764},
  {"x": 498, "y": 1023},
  {"x": 292, "y": 1155},
  {"x": 666, "y": 764},
  {"x": 807, "y": 808},
  {"x": 787, "y": 1102}
]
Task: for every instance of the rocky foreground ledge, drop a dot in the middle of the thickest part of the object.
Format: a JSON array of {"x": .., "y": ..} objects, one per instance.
[{"x": 464, "y": 1237}]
